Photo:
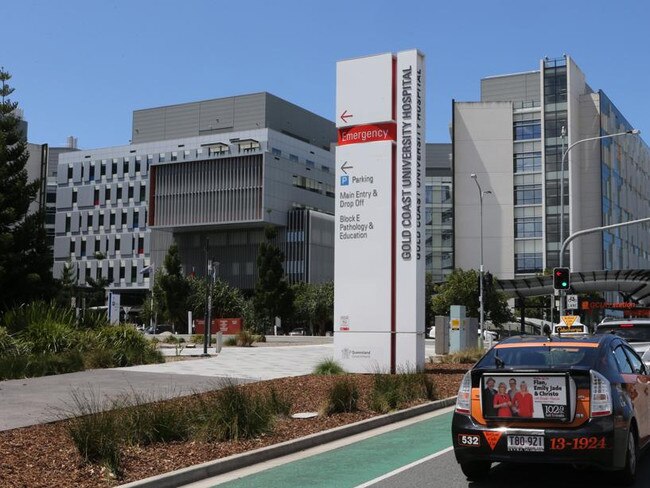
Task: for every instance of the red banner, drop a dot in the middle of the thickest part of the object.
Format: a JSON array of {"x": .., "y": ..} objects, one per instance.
[{"x": 367, "y": 133}]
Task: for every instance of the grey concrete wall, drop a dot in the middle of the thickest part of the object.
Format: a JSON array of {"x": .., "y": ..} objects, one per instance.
[
  {"x": 515, "y": 87},
  {"x": 483, "y": 143}
]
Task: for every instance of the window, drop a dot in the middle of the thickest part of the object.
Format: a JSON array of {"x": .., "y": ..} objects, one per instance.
[
  {"x": 134, "y": 273},
  {"x": 72, "y": 246},
  {"x": 74, "y": 196},
  {"x": 527, "y": 129},
  {"x": 294, "y": 158},
  {"x": 276, "y": 152},
  {"x": 118, "y": 244},
  {"x": 69, "y": 172},
  {"x": 161, "y": 158},
  {"x": 138, "y": 164},
  {"x": 325, "y": 169},
  {"x": 136, "y": 218},
  {"x": 174, "y": 156},
  {"x": 102, "y": 169},
  {"x": 118, "y": 197},
  {"x": 124, "y": 218},
  {"x": 91, "y": 175},
  {"x": 96, "y": 196},
  {"x": 122, "y": 271},
  {"x": 108, "y": 193},
  {"x": 110, "y": 274},
  {"x": 83, "y": 247},
  {"x": 125, "y": 166},
  {"x": 101, "y": 219},
  {"x": 140, "y": 245},
  {"x": 112, "y": 218},
  {"x": 528, "y": 262},
  {"x": 528, "y": 162},
  {"x": 621, "y": 360},
  {"x": 637, "y": 365},
  {"x": 428, "y": 194},
  {"x": 114, "y": 167},
  {"x": 528, "y": 227},
  {"x": 130, "y": 191},
  {"x": 90, "y": 221},
  {"x": 143, "y": 192},
  {"x": 528, "y": 194},
  {"x": 67, "y": 223}
]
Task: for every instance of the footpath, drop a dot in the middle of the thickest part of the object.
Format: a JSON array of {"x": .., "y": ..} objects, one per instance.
[{"x": 33, "y": 401}]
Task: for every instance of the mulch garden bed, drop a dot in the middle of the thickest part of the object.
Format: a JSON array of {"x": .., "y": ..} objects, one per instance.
[{"x": 44, "y": 455}]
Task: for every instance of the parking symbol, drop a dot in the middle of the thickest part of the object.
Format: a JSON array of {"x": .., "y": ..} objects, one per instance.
[{"x": 345, "y": 180}]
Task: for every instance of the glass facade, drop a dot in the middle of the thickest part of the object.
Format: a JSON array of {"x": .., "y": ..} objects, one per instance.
[
  {"x": 625, "y": 179},
  {"x": 555, "y": 117},
  {"x": 438, "y": 216}
]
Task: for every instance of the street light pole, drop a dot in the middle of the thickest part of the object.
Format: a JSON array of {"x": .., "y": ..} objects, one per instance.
[
  {"x": 481, "y": 326},
  {"x": 564, "y": 155}
]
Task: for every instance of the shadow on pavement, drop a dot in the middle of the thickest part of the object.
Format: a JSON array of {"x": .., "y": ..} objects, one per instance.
[{"x": 558, "y": 476}]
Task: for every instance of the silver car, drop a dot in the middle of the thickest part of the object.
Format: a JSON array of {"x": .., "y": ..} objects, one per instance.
[{"x": 636, "y": 331}]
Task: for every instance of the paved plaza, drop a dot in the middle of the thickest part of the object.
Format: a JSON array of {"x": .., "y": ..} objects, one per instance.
[{"x": 39, "y": 400}]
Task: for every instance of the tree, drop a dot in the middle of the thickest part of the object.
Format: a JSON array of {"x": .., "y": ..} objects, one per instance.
[
  {"x": 172, "y": 289},
  {"x": 462, "y": 288},
  {"x": 67, "y": 285},
  {"x": 227, "y": 301},
  {"x": 314, "y": 305},
  {"x": 24, "y": 257},
  {"x": 273, "y": 297}
]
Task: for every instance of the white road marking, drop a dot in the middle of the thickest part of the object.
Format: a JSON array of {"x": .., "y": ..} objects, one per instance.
[{"x": 405, "y": 468}]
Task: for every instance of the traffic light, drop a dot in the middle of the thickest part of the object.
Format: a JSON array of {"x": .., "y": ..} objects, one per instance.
[{"x": 561, "y": 278}]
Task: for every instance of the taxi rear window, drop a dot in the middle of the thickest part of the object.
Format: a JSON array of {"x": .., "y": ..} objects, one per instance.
[
  {"x": 630, "y": 331},
  {"x": 540, "y": 357}
]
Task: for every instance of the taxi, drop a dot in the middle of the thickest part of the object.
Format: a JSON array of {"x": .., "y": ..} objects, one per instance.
[{"x": 579, "y": 400}]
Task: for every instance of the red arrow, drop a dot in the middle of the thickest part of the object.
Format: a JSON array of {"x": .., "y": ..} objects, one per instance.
[{"x": 345, "y": 116}]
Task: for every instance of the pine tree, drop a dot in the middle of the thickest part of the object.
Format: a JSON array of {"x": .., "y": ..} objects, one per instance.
[
  {"x": 24, "y": 260},
  {"x": 273, "y": 297},
  {"x": 174, "y": 290}
]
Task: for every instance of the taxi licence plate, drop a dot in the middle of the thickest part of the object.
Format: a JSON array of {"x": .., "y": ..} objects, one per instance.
[{"x": 532, "y": 443}]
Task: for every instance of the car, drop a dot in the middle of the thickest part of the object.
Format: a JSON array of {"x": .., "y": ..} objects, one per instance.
[
  {"x": 582, "y": 401},
  {"x": 300, "y": 331},
  {"x": 636, "y": 331},
  {"x": 159, "y": 329}
]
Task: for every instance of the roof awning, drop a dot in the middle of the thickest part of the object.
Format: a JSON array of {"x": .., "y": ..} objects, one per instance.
[{"x": 634, "y": 284}]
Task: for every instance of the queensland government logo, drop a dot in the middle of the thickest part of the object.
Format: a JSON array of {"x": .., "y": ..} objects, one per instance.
[{"x": 347, "y": 353}]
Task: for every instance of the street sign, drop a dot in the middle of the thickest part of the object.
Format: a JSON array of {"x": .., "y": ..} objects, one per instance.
[
  {"x": 572, "y": 302},
  {"x": 569, "y": 320}
]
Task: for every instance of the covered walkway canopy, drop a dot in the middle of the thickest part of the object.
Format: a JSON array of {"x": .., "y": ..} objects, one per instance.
[{"x": 632, "y": 284}]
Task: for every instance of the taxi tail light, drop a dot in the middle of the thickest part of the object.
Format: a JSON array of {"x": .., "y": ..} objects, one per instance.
[
  {"x": 601, "y": 395},
  {"x": 463, "y": 401}
]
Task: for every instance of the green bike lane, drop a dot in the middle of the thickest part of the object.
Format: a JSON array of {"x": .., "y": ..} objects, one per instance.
[{"x": 357, "y": 463}]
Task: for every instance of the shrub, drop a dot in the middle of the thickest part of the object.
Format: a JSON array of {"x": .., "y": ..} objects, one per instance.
[
  {"x": 278, "y": 403},
  {"x": 390, "y": 392},
  {"x": 9, "y": 345},
  {"x": 237, "y": 414},
  {"x": 244, "y": 339},
  {"x": 230, "y": 341},
  {"x": 172, "y": 339},
  {"x": 97, "y": 435},
  {"x": 50, "y": 337},
  {"x": 20, "y": 318},
  {"x": 259, "y": 338},
  {"x": 157, "y": 422},
  {"x": 463, "y": 357},
  {"x": 342, "y": 397},
  {"x": 128, "y": 346},
  {"x": 93, "y": 319},
  {"x": 328, "y": 367}
]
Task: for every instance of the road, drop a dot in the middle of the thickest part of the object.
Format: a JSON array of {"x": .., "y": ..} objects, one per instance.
[{"x": 416, "y": 454}]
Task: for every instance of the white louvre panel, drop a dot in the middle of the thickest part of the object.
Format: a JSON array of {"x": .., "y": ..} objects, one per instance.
[{"x": 209, "y": 192}]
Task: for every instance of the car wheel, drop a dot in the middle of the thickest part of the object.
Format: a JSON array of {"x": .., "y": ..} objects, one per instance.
[
  {"x": 476, "y": 470},
  {"x": 628, "y": 476}
]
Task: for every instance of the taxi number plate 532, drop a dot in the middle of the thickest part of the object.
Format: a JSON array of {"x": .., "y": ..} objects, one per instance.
[{"x": 534, "y": 443}]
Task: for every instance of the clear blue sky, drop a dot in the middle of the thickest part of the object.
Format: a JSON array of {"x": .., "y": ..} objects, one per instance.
[{"x": 81, "y": 67}]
